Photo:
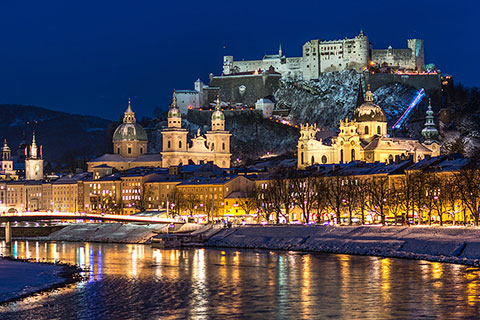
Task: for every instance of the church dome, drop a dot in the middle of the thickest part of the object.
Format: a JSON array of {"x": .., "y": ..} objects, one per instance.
[
  {"x": 173, "y": 111},
  {"x": 369, "y": 111},
  {"x": 218, "y": 114},
  {"x": 130, "y": 132}
]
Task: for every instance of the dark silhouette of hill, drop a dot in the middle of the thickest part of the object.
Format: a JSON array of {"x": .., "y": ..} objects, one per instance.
[{"x": 67, "y": 139}]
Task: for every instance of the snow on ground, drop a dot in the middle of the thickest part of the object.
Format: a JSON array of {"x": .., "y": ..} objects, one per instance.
[
  {"x": 107, "y": 232},
  {"x": 456, "y": 244},
  {"x": 18, "y": 279}
]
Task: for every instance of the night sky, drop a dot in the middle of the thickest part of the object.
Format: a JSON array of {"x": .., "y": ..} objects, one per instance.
[{"x": 88, "y": 57}]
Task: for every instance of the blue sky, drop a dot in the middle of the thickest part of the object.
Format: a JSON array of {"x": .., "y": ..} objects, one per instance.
[{"x": 88, "y": 57}]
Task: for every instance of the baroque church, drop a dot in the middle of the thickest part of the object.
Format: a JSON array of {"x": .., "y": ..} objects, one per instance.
[
  {"x": 130, "y": 142},
  {"x": 365, "y": 138}
]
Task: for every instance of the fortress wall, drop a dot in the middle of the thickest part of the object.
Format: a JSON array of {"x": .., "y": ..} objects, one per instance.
[{"x": 430, "y": 83}]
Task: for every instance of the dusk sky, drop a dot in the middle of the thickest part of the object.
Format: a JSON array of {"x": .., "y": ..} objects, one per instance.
[{"x": 88, "y": 57}]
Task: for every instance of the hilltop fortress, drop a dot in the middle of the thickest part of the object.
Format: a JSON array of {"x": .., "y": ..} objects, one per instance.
[{"x": 320, "y": 56}]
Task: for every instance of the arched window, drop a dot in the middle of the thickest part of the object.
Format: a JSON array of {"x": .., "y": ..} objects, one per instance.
[
  {"x": 390, "y": 159},
  {"x": 366, "y": 129},
  {"x": 141, "y": 150},
  {"x": 313, "y": 159},
  {"x": 324, "y": 159},
  {"x": 118, "y": 150},
  {"x": 129, "y": 150},
  {"x": 301, "y": 157},
  {"x": 353, "y": 154},
  {"x": 179, "y": 144},
  {"x": 379, "y": 130},
  {"x": 223, "y": 146},
  {"x": 341, "y": 155},
  {"x": 168, "y": 145}
]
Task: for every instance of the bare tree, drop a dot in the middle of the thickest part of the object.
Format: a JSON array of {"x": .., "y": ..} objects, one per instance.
[
  {"x": 321, "y": 196},
  {"x": 336, "y": 193},
  {"x": 378, "y": 193},
  {"x": 470, "y": 193},
  {"x": 350, "y": 199},
  {"x": 304, "y": 192},
  {"x": 248, "y": 200}
]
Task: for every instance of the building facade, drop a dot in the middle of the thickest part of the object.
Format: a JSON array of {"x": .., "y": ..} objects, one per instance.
[
  {"x": 213, "y": 147},
  {"x": 33, "y": 162},
  {"x": 364, "y": 138},
  {"x": 320, "y": 56}
]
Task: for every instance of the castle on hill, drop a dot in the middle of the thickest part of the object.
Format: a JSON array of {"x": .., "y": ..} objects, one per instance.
[{"x": 320, "y": 56}]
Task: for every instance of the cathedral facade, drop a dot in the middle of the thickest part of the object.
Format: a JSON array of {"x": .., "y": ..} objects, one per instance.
[
  {"x": 213, "y": 147},
  {"x": 364, "y": 138},
  {"x": 130, "y": 144}
]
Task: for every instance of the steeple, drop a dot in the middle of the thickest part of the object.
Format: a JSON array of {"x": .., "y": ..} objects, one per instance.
[
  {"x": 129, "y": 115},
  {"x": 218, "y": 118},
  {"x": 360, "y": 99},
  {"x": 174, "y": 114},
  {"x": 368, "y": 95},
  {"x": 430, "y": 132},
  {"x": 280, "y": 51},
  {"x": 33, "y": 148},
  {"x": 6, "y": 153}
]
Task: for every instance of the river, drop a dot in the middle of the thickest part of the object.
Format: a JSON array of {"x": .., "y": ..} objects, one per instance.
[{"x": 137, "y": 282}]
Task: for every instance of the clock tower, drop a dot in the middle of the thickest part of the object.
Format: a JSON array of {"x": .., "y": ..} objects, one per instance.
[{"x": 33, "y": 162}]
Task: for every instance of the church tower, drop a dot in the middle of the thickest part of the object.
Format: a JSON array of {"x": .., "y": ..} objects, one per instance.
[
  {"x": 34, "y": 162},
  {"x": 218, "y": 139},
  {"x": 429, "y": 133},
  {"x": 6, "y": 162},
  {"x": 174, "y": 138}
]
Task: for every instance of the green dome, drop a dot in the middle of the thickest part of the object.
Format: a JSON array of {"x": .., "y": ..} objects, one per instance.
[
  {"x": 174, "y": 112},
  {"x": 369, "y": 111},
  {"x": 218, "y": 115},
  {"x": 130, "y": 132}
]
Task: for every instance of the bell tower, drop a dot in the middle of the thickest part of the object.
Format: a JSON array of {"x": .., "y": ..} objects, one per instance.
[
  {"x": 6, "y": 162},
  {"x": 218, "y": 139},
  {"x": 34, "y": 162},
  {"x": 174, "y": 138}
]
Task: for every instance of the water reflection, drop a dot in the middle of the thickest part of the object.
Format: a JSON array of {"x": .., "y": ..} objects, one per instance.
[{"x": 138, "y": 282}]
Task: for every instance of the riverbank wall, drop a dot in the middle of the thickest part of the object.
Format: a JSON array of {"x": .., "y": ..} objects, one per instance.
[
  {"x": 453, "y": 244},
  {"x": 27, "y": 232}
]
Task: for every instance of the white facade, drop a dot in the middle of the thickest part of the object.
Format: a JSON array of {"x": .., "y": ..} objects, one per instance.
[
  {"x": 266, "y": 106},
  {"x": 325, "y": 56}
]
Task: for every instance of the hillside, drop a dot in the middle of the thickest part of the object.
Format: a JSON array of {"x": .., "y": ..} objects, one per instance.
[{"x": 64, "y": 136}]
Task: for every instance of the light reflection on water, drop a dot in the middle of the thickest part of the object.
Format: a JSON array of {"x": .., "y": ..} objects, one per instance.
[{"x": 138, "y": 282}]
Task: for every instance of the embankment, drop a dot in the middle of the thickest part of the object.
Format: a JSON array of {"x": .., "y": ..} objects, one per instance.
[{"x": 455, "y": 244}]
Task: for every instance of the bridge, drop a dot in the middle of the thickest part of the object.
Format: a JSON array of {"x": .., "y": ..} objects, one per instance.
[{"x": 34, "y": 216}]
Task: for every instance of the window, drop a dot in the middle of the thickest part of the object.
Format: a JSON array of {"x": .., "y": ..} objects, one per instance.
[
  {"x": 179, "y": 144},
  {"x": 118, "y": 150},
  {"x": 366, "y": 129},
  {"x": 379, "y": 130},
  {"x": 223, "y": 146},
  {"x": 129, "y": 150},
  {"x": 313, "y": 159},
  {"x": 353, "y": 154},
  {"x": 301, "y": 158},
  {"x": 141, "y": 150},
  {"x": 168, "y": 144},
  {"x": 341, "y": 155}
]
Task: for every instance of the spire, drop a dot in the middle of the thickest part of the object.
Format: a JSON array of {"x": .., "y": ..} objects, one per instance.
[
  {"x": 217, "y": 106},
  {"x": 280, "y": 51},
  {"x": 368, "y": 94},
  {"x": 430, "y": 132},
  {"x": 360, "y": 99},
  {"x": 174, "y": 100},
  {"x": 33, "y": 148},
  {"x": 129, "y": 115},
  {"x": 361, "y": 32}
]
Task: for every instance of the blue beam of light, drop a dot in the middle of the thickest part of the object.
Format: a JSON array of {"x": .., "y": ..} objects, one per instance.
[{"x": 412, "y": 105}]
